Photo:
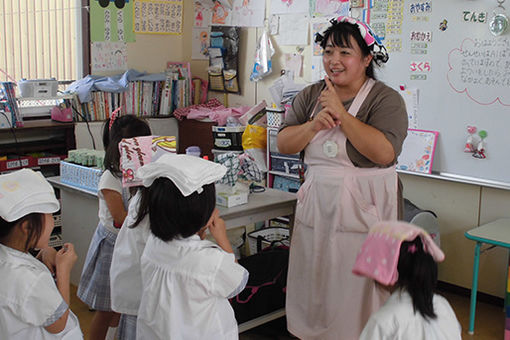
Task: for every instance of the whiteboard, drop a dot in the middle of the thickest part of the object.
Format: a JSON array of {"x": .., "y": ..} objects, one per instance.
[{"x": 468, "y": 82}]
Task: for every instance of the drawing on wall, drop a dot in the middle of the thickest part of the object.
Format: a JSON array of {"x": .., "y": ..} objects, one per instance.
[
  {"x": 331, "y": 7},
  {"x": 108, "y": 56},
  {"x": 200, "y": 43},
  {"x": 203, "y": 13},
  {"x": 158, "y": 17},
  {"x": 483, "y": 80},
  {"x": 220, "y": 14},
  {"x": 111, "y": 23},
  {"x": 318, "y": 27},
  {"x": 289, "y": 6}
]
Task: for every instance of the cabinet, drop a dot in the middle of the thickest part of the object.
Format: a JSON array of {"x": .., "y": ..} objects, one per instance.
[
  {"x": 40, "y": 145},
  {"x": 283, "y": 170}
]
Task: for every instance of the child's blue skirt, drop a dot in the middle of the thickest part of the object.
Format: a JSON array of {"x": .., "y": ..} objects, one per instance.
[
  {"x": 127, "y": 327},
  {"x": 94, "y": 287}
]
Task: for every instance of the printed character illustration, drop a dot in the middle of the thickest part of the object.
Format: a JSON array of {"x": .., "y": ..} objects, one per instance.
[{"x": 469, "y": 147}]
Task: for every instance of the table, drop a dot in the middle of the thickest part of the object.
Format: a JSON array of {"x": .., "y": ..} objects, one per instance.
[
  {"x": 79, "y": 221},
  {"x": 496, "y": 234}
]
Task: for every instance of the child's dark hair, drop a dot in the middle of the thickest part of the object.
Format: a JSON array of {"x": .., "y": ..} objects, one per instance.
[
  {"x": 35, "y": 227},
  {"x": 127, "y": 126},
  {"x": 340, "y": 33},
  {"x": 171, "y": 214},
  {"x": 417, "y": 274}
]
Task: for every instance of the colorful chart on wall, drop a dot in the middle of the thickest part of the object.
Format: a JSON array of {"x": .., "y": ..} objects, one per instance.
[
  {"x": 111, "y": 23},
  {"x": 418, "y": 151},
  {"x": 108, "y": 56}
]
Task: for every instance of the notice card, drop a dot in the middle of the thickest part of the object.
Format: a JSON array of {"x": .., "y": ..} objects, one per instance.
[{"x": 418, "y": 151}]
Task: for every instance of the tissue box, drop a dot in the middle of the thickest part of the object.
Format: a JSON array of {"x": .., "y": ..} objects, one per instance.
[{"x": 229, "y": 200}]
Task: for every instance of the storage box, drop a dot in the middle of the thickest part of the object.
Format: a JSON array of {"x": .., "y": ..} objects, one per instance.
[
  {"x": 80, "y": 176},
  {"x": 275, "y": 117},
  {"x": 230, "y": 200},
  {"x": 228, "y": 137},
  {"x": 288, "y": 164},
  {"x": 286, "y": 184},
  {"x": 265, "y": 237},
  {"x": 38, "y": 87}
]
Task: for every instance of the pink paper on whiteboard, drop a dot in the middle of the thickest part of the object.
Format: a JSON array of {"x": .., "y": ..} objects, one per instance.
[{"x": 418, "y": 151}]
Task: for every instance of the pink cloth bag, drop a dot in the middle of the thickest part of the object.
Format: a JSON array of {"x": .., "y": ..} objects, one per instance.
[
  {"x": 138, "y": 151},
  {"x": 379, "y": 254}
]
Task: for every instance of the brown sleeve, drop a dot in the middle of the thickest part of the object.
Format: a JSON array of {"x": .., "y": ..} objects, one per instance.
[
  {"x": 302, "y": 105},
  {"x": 385, "y": 110}
]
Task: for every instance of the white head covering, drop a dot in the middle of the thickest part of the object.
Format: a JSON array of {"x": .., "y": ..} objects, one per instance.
[
  {"x": 188, "y": 173},
  {"x": 23, "y": 192}
]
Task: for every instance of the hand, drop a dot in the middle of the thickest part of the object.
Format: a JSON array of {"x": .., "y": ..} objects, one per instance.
[
  {"x": 330, "y": 101},
  {"x": 65, "y": 258},
  {"x": 202, "y": 232},
  {"x": 47, "y": 256},
  {"x": 217, "y": 227},
  {"x": 324, "y": 120}
]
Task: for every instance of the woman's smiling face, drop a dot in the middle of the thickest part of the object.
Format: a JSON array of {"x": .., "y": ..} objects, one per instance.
[{"x": 345, "y": 65}]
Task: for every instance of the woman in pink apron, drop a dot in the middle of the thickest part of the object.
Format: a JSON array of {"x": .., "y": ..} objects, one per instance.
[{"x": 351, "y": 129}]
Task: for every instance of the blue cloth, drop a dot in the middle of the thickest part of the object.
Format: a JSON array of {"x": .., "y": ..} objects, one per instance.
[{"x": 117, "y": 83}]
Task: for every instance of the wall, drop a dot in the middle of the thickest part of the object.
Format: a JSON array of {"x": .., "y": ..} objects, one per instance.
[{"x": 459, "y": 207}]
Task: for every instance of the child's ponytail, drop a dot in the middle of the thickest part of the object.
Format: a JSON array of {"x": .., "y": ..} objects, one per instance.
[{"x": 417, "y": 273}]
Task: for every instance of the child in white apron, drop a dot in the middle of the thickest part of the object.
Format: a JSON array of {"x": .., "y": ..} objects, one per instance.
[
  {"x": 186, "y": 280},
  {"x": 32, "y": 305},
  {"x": 94, "y": 286},
  {"x": 403, "y": 257}
]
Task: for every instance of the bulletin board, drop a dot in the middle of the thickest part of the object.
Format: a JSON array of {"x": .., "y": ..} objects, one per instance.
[{"x": 461, "y": 73}]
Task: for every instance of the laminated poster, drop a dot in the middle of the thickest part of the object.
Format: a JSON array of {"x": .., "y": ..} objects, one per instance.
[{"x": 418, "y": 151}]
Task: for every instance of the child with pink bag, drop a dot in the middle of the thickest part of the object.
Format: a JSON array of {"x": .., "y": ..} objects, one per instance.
[{"x": 404, "y": 257}]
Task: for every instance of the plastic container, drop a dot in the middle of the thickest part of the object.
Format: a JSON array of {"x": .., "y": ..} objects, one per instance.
[
  {"x": 267, "y": 236},
  {"x": 228, "y": 137},
  {"x": 193, "y": 151},
  {"x": 275, "y": 117}
]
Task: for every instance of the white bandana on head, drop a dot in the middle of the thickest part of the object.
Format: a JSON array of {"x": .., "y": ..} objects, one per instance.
[
  {"x": 24, "y": 192},
  {"x": 188, "y": 173}
]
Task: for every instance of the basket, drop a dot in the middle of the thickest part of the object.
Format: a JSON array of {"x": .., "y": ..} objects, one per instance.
[
  {"x": 274, "y": 117},
  {"x": 80, "y": 176},
  {"x": 263, "y": 238}
]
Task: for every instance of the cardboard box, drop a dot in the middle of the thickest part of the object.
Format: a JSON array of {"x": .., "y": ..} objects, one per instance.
[{"x": 230, "y": 200}]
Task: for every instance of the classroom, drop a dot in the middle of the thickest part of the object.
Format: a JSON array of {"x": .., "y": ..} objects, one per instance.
[{"x": 241, "y": 84}]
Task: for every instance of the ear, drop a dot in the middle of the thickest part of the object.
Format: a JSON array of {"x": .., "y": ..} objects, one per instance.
[
  {"x": 368, "y": 59},
  {"x": 24, "y": 227}
]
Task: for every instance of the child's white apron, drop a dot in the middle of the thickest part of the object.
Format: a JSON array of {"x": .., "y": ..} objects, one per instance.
[{"x": 337, "y": 204}]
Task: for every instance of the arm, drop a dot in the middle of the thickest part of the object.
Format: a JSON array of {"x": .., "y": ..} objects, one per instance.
[
  {"x": 368, "y": 140},
  {"x": 295, "y": 137},
  {"x": 65, "y": 259},
  {"x": 115, "y": 205}
]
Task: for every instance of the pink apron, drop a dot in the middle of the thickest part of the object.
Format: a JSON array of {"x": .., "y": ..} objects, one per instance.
[{"x": 337, "y": 204}]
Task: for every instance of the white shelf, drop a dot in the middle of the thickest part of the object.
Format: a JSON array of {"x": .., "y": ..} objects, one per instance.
[{"x": 281, "y": 173}]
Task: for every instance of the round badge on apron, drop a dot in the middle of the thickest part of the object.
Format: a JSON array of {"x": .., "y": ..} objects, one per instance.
[{"x": 330, "y": 148}]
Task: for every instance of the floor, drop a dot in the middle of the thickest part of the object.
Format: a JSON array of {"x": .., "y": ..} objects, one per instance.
[{"x": 489, "y": 325}]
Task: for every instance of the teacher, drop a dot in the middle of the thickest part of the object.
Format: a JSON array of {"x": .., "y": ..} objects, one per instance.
[{"x": 351, "y": 129}]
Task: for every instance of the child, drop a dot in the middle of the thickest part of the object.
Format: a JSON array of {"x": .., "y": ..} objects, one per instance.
[
  {"x": 125, "y": 272},
  {"x": 404, "y": 256},
  {"x": 186, "y": 280},
  {"x": 94, "y": 287},
  {"x": 32, "y": 306}
]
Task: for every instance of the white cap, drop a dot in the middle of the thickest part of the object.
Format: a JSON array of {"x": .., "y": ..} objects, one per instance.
[
  {"x": 188, "y": 173},
  {"x": 24, "y": 192}
]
